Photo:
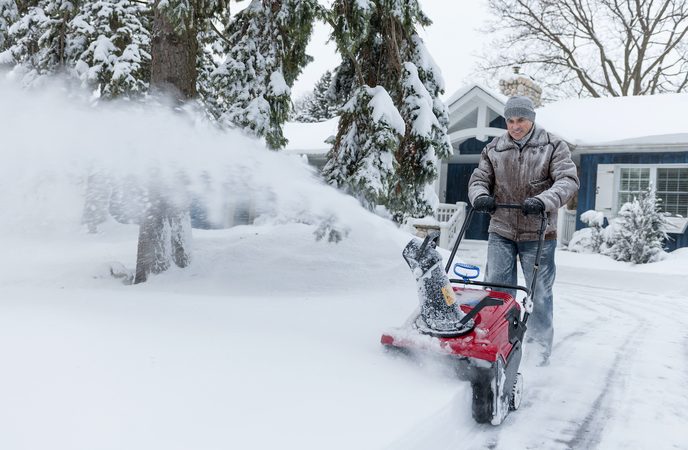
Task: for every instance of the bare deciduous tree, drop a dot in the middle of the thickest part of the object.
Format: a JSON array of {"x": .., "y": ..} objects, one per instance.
[{"x": 595, "y": 47}]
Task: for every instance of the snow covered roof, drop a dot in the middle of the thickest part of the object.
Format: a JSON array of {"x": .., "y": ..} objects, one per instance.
[
  {"x": 310, "y": 137},
  {"x": 466, "y": 89},
  {"x": 610, "y": 121},
  {"x": 640, "y": 120}
]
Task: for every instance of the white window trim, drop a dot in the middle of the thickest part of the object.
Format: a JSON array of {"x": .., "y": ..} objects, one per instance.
[
  {"x": 676, "y": 224},
  {"x": 653, "y": 178}
]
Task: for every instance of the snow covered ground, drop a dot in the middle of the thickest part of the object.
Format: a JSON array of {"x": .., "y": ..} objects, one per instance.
[{"x": 270, "y": 339}]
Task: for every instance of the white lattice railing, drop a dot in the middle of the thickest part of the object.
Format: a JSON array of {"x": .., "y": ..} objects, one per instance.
[
  {"x": 566, "y": 226},
  {"x": 448, "y": 220},
  {"x": 451, "y": 218}
]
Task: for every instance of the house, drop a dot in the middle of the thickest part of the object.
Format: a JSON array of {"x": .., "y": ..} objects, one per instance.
[{"x": 621, "y": 145}]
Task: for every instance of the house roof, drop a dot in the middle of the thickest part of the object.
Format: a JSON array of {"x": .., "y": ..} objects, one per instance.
[
  {"x": 640, "y": 120},
  {"x": 477, "y": 86},
  {"x": 592, "y": 122}
]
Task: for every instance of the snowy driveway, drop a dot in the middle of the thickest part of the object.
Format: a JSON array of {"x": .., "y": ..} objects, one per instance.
[{"x": 226, "y": 356}]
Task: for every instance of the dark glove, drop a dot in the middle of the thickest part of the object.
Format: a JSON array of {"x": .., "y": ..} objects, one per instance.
[
  {"x": 485, "y": 203},
  {"x": 533, "y": 205}
]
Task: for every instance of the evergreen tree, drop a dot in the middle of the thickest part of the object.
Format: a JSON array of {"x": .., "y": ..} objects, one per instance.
[
  {"x": 211, "y": 46},
  {"x": 43, "y": 42},
  {"x": 116, "y": 34},
  {"x": 9, "y": 13},
  {"x": 637, "y": 235},
  {"x": 380, "y": 48},
  {"x": 319, "y": 105},
  {"x": 343, "y": 82},
  {"x": 299, "y": 107},
  {"x": 266, "y": 52},
  {"x": 373, "y": 132}
]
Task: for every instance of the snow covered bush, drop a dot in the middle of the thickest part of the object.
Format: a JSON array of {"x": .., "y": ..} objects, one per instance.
[
  {"x": 637, "y": 234},
  {"x": 590, "y": 239}
]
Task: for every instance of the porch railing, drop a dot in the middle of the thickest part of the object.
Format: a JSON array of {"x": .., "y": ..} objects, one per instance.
[
  {"x": 447, "y": 220},
  {"x": 566, "y": 226}
]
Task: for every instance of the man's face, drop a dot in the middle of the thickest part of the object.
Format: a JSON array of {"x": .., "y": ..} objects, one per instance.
[{"x": 518, "y": 127}]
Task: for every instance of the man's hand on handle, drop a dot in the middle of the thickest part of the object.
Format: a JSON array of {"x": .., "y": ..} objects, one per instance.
[
  {"x": 485, "y": 203},
  {"x": 533, "y": 205}
]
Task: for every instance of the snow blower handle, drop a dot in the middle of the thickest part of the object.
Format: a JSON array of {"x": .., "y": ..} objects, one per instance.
[
  {"x": 469, "y": 216},
  {"x": 508, "y": 206}
]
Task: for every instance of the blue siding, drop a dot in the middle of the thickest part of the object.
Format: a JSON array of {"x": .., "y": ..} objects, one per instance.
[
  {"x": 677, "y": 241},
  {"x": 588, "y": 179}
]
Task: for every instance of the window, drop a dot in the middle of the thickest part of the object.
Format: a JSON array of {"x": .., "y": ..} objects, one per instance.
[
  {"x": 632, "y": 181},
  {"x": 671, "y": 185},
  {"x": 672, "y": 188}
]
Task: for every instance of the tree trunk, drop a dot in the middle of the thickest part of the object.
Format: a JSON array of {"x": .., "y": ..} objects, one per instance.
[
  {"x": 165, "y": 230},
  {"x": 173, "y": 57}
]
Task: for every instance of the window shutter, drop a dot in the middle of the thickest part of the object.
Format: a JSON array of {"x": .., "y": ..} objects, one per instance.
[{"x": 604, "y": 191}]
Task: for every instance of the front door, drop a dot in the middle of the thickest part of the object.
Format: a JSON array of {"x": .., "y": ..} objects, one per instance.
[{"x": 457, "y": 191}]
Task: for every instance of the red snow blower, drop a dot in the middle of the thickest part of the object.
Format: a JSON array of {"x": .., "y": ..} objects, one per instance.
[{"x": 478, "y": 330}]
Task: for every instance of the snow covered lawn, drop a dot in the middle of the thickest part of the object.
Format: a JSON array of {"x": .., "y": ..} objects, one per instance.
[{"x": 271, "y": 340}]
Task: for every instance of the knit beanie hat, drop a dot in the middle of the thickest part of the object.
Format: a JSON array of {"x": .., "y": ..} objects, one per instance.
[{"x": 519, "y": 107}]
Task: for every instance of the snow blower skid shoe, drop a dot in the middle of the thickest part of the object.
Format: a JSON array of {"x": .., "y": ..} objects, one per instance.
[{"x": 479, "y": 331}]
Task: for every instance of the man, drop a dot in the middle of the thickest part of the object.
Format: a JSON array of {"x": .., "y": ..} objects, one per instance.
[{"x": 533, "y": 168}]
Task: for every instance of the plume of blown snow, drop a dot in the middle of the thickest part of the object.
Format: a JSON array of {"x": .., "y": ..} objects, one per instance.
[{"x": 53, "y": 140}]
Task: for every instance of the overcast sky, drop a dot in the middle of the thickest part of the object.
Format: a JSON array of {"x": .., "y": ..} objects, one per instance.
[{"x": 453, "y": 40}]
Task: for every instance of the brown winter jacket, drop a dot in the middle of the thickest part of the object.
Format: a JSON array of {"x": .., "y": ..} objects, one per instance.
[{"x": 541, "y": 169}]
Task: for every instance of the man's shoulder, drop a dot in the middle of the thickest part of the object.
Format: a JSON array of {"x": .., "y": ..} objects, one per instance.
[
  {"x": 543, "y": 137},
  {"x": 499, "y": 142}
]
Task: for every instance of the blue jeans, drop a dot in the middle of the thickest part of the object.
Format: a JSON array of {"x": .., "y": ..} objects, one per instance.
[{"x": 501, "y": 268}]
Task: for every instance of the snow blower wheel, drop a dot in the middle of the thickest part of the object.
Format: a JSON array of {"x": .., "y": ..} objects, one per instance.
[
  {"x": 516, "y": 393},
  {"x": 488, "y": 405},
  {"x": 482, "y": 405}
]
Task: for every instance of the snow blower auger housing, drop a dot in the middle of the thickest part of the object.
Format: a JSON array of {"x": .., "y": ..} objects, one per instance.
[{"x": 478, "y": 329}]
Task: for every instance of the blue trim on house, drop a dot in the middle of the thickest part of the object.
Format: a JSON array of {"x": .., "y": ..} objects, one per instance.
[{"x": 588, "y": 180}]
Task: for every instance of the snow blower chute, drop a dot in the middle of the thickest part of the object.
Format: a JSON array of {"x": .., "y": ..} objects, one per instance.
[{"x": 479, "y": 330}]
